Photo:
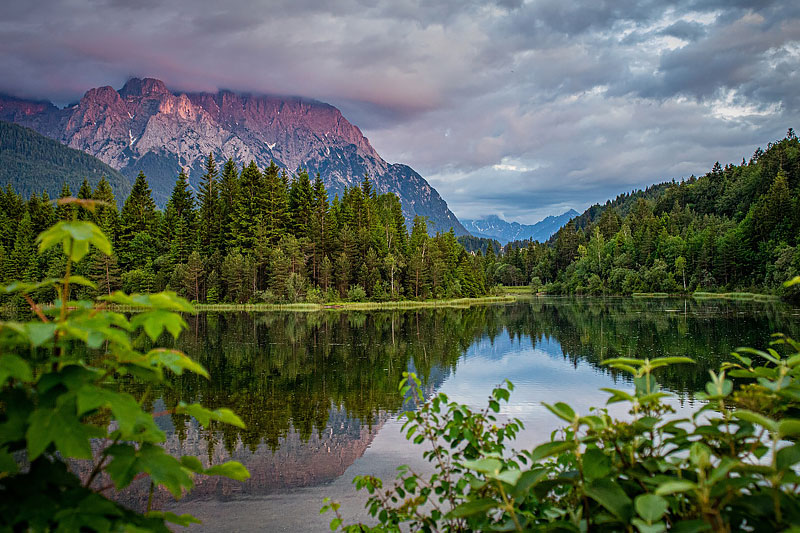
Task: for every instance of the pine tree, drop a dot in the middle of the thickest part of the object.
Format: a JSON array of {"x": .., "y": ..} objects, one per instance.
[
  {"x": 228, "y": 191},
  {"x": 249, "y": 206},
  {"x": 23, "y": 255},
  {"x": 105, "y": 215},
  {"x": 138, "y": 212},
  {"x": 65, "y": 211},
  {"x": 275, "y": 211},
  {"x": 300, "y": 205},
  {"x": 208, "y": 226},
  {"x": 179, "y": 220}
]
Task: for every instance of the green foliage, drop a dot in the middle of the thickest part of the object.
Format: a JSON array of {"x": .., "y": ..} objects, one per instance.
[
  {"x": 248, "y": 234},
  {"x": 735, "y": 229},
  {"x": 32, "y": 163},
  {"x": 65, "y": 420},
  {"x": 729, "y": 467}
]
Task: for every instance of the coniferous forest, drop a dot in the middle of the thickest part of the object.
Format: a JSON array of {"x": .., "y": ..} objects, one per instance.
[
  {"x": 248, "y": 235},
  {"x": 257, "y": 236},
  {"x": 734, "y": 229}
]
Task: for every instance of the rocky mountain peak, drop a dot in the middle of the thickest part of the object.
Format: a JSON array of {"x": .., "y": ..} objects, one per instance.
[
  {"x": 143, "y": 87},
  {"x": 146, "y": 127}
]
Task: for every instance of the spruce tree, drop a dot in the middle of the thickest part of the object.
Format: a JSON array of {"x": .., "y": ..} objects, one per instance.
[
  {"x": 228, "y": 191},
  {"x": 208, "y": 225},
  {"x": 275, "y": 211},
  {"x": 65, "y": 211},
  {"x": 300, "y": 205},
  {"x": 249, "y": 206},
  {"x": 138, "y": 212}
]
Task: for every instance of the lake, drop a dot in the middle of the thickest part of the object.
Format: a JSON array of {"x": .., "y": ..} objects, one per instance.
[{"x": 318, "y": 390}]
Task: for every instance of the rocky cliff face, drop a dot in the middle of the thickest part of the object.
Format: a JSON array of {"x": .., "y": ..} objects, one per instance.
[{"x": 144, "y": 126}]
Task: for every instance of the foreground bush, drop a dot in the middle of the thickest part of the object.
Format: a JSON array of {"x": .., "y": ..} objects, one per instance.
[
  {"x": 62, "y": 408},
  {"x": 729, "y": 467}
]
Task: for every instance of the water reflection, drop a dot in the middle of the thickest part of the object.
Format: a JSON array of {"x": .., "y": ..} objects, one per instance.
[{"x": 314, "y": 389}]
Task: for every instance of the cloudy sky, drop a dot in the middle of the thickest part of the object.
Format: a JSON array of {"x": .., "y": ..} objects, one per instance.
[{"x": 519, "y": 108}]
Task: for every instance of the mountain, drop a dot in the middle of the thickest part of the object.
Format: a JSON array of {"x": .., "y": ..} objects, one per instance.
[
  {"x": 32, "y": 163},
  {"x": 146, "y": 127},
  {"x": 494, "y": 227}
]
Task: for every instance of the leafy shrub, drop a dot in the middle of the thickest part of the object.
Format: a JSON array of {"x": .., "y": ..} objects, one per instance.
[
  {"x": 356, "y": 294},
  {"x": 729, "y": 467},
  {"x": 61, "y": 403}
]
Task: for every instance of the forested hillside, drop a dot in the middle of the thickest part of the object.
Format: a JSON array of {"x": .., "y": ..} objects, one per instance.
[
  {"x": 249, "y": 236},
  {"x": 32, "y": 163},
  {"x": 736, "y": 228}
]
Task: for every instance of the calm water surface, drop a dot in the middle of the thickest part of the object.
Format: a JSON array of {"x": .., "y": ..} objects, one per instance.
[{"x": 318, "y": 391}]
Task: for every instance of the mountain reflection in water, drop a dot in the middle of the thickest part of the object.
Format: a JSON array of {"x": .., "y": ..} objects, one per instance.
[{"x": 314, "y": 389}]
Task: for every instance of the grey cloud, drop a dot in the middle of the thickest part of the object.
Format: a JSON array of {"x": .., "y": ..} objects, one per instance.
[
  {"x": 589, "y": 97},
  {"x": 686, "y": 30}
]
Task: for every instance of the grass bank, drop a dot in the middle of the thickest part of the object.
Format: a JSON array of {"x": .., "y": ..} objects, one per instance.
[
  {"x": 742, "y": 296},
  {"x": 357, "y": 306}
]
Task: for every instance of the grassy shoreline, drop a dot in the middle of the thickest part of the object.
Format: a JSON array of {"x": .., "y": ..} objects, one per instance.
[{"x": 351, "y": 306}]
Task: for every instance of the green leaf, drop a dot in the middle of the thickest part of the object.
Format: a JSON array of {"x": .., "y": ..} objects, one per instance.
[
  {"x": 205, "y": 416},
  {"x": 487, "y": 465},
  {"x": 474, "y": 507},
  {"x": 675, "y": 487},
  {"x": 562, "y": 411},
  {"x": 529, "y": 479},
  {"x": 184, "y": 520},
  {"x": 644, "y": 527},
  {"x": 596, "y": 464},
  {"x": 650, "y": 507},
  {"x": 75, "y": 236},
  {"x": 80, "y": 280},
  {"x": 7, "y": 463},
  {"x": 40, "y": 332},
  {"x": 508, "y": 476},
  {"x": 156, "y": 321},
  {"x": 624, "y": 360},
  {"x": 62, "y": 427},
  {"x": 794, "y": 281},
  {"x": 231, "y": 469},
  {"x": 192, "y": 463},
  {"x": 611, "y": 496},
  {"x": 789, "y": 427},
  {"x": 551, "y": 448},
  {"x": 664, "y": 361},
  {"x": 176, "y": 361},
  {"x": 14, "y": 367},
  {"x": 788, "y": 457},
  {"x": 123, "y": 466},
  {"x": 756, "y": 418},
  {"x": 164, "y": 469},
  {"x": 690, "y": 526}
]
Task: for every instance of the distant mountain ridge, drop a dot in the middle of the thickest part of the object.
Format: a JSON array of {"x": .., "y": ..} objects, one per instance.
[
  {"x": 494, "y": 227},
  {"x": 146, "y": 127},
  {"x": 32, "y": 163}
]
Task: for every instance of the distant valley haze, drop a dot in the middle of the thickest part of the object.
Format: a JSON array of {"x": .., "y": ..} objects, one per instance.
[{"x": 525, "y": 109}]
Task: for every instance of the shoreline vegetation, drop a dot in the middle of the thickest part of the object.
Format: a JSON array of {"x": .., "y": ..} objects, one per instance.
[{"x": 347, "y": 306}]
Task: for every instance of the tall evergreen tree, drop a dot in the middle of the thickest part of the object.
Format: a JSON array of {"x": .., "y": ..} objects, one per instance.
[
  {"x": 138, "y": 212},
  {"x": 249, "y": 206},
  {"x": 209, "y": 224},
  {"x": 228, "y": 191}
]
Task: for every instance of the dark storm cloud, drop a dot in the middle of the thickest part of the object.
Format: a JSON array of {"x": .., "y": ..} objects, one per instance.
[{"x": 523, "y": 108}]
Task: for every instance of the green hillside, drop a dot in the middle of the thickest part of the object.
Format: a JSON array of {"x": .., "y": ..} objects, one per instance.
[
  {"x": 32, "y": 163},
  {"x": 735, "y": 229}
]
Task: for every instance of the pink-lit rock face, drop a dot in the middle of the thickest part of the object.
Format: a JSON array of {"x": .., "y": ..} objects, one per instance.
[
  {"x": 144, "y": 126},
  {"x": 296, "y": 463}
]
